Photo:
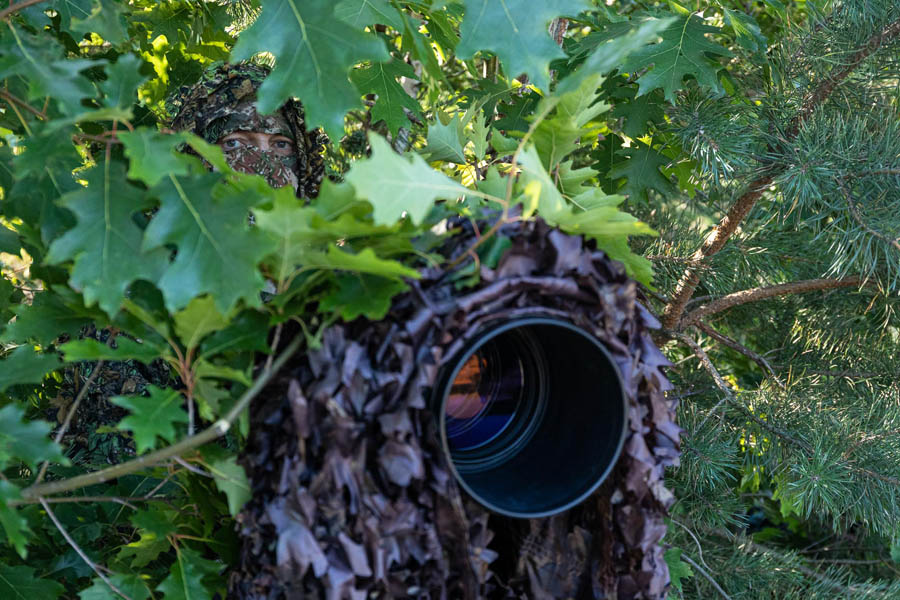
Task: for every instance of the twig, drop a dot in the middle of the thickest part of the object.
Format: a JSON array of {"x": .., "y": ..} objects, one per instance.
[
  {"x": 696, "y": 541},
  {"x": 762, "y": 293},
  {"x": 71, "y": 413},
  {"x": 78, "y": 549},
  {"x": 734, "y": 345},
  {"x": 854, "y": 212},
  {"x": 690, "y": 279},
  {"x": 707, "y": 364},
  {"x": 276, "y": 337},
  {"x": 17, "y": 7},
  {"x": 14, "y": 99},
  {"x": 191, "y": 468},
  {"x": 76, "y": 499},
  {"x": 214, "y": 431},
  {"x": 703, "y": 572}
]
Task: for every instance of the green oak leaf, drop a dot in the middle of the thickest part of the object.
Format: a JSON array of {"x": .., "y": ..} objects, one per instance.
[
  {"x": 45, "y": 319},
  {"x": 152, "y": 155},
  {"x": 678, "y": 569},
  {"x": 21, "y": 583},
  {"x": 26, "y": 440},
  {"x": 197, "y": 320},
  {"x": 445, "y": 142},
  {"x": 42, "y": 175},
  {"x": 314, "y": 52},
  {"x": 46, "y": 71},
  {"x": 126, "y": 349},
  {"x": 231, "y": 479},
  {"x": 419, "y": 47},
  {"x": 13, "y": 524},
  {"x": 152, "y": 417},
  {"x": 247, "y": 331},
  {"x": 24, "y": 365},
  {"x": 363, "y": 13},
  {"x": 747, "y": 31},
  {"x": 362, "y": 295},
  {"x": 591, "y": 213},
  {"x": 9, "y": 239},
  {"x": 130, "y": 585},
  {"x": 516, "y": 31},
  {"x": 122, "y": 82},
  {"x": 106, "y": 243},
  {"x": 158, "y": 521},
  {"x": 641, "y": 170},
  {"x": 218, "y": 252},
  {"x": 143, "y": 551},
  {"x": 683, "y": 51},
  {"x": 399, "y": 184},
  {"x": 187, "y": 575},
  {"x": 638, "y": 112},
  {"x": 364, "y": 261},
  {"x": 105, "y": 19},
  {"x": 381, "y": 79}
]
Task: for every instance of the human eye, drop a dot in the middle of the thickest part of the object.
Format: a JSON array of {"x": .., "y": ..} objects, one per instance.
[
  {"x": 283, "y": 144},
  {"x": 231, "y": 144}
]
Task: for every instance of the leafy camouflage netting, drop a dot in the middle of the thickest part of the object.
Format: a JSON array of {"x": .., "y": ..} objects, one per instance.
[{"x": 352, "y": 497}]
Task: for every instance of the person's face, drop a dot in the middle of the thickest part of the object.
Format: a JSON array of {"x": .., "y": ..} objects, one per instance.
[{"x": 267, "y": 142}]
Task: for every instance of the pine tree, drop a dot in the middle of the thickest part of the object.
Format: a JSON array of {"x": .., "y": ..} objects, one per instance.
[{"x": 779, "y": 293}]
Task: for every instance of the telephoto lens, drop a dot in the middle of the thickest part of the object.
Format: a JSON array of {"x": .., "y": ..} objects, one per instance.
[{"x": 532, "y": 415}]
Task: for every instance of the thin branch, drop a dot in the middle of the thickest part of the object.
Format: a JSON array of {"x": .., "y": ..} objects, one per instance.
[
  {"x": 709, "y": 366},
  {"x": 14, "y": 99},
  {"x": 703, "y": 572},
  {"x": 80, "y": 552},
  {"x": 17, "y": 7},
  {"x": 734, "y": 345},
  {"x": 762, "y": 293},
  {"x": 71, "y": 413},
  {"x": 690, "y": 279},
  {"x": 854, "y": 212},
  {"x": 214, "y": 431},
  {"x": 77, "y": 499}
]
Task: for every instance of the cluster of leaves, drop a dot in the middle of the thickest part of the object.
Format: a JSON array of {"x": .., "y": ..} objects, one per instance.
[{"x": 465, "y": 109}]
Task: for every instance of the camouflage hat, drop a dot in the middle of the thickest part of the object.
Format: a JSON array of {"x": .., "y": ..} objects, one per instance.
[{"x": 222, "y": 102}]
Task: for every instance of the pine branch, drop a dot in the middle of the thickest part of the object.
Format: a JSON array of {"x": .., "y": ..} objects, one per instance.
[
  {"x": 762, "y": 293},
  {"x": 690, "y": 279}
]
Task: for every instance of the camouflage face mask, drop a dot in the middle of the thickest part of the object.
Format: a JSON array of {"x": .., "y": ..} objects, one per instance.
[
  {"x": 222, "y": 103},
  {"x": 277, "y": 168}
]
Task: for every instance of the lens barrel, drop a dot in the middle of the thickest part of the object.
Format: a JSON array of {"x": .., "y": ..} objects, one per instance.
[{"x": 532, "y": 415}]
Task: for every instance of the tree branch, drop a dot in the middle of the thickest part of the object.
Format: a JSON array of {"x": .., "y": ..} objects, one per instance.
[
  {"x": 734, "y": 345},
  {"x": 708, "y": 577},
  {"x": 17, "y": 7},
  {"x": 15, "y": 100},
  {"x": 690, "y": 279},
  {"x": 854, "y": 212},
  {"x": 762, "y": 293},
  {"x": 216, "y": 430},
  {"x": 79, "y": 551}
]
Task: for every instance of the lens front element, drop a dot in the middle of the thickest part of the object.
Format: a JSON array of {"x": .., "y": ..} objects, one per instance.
[{"x": 532, "y": 416}]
